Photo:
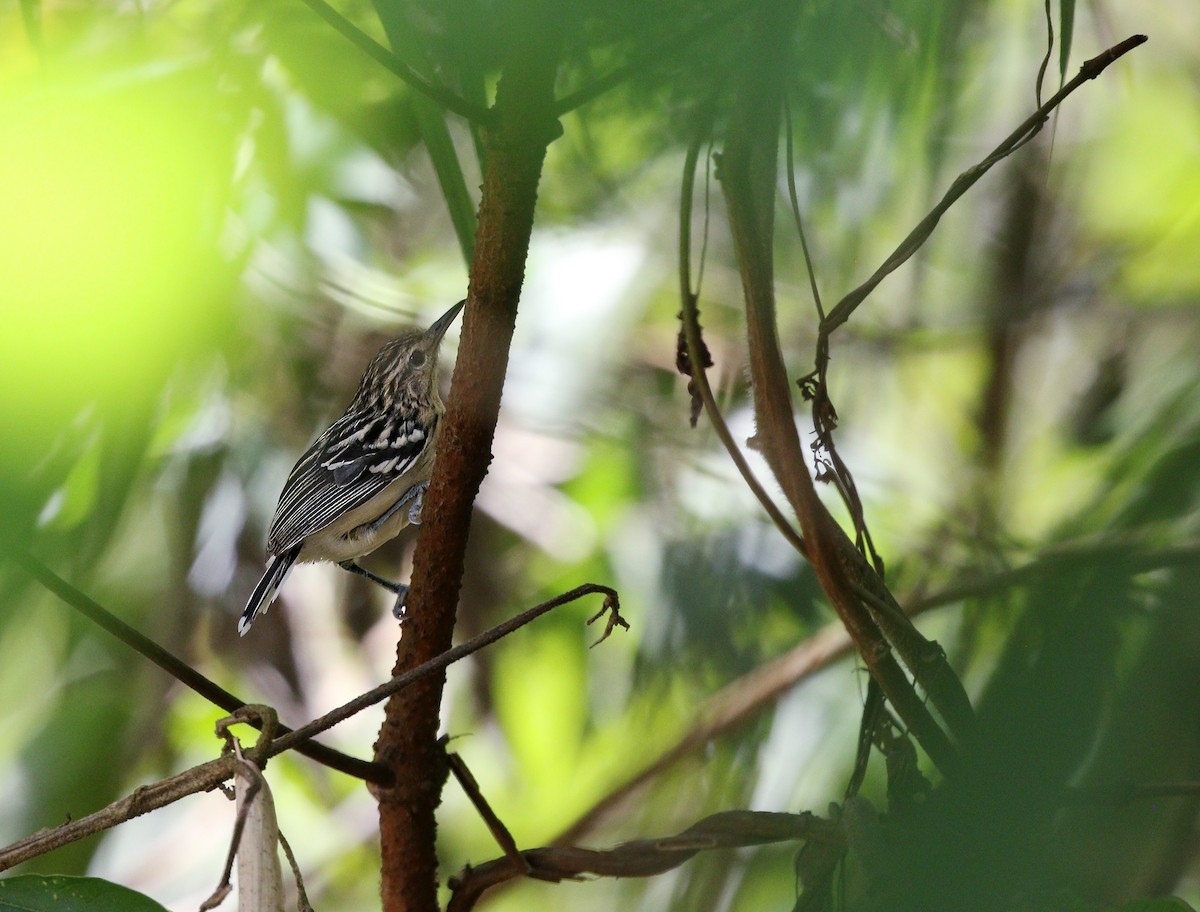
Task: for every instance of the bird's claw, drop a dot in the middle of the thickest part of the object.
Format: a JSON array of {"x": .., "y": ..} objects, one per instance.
[{"x": 399, "y": 610}]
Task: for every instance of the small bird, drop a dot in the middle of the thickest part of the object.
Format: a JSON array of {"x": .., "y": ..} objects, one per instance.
[{"x": 363, "y": 480}]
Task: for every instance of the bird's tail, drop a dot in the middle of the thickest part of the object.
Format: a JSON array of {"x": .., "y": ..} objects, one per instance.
[{"x": 278, "y": 568}]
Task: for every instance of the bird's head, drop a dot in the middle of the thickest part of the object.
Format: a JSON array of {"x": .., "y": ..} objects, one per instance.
[{"x": 405, "y": 368}]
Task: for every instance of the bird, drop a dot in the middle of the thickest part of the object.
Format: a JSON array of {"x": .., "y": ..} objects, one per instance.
[{"x": 364, "y": 478}]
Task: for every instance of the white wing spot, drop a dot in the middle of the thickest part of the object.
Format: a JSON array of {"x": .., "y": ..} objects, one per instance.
[{"x": 384, "y": 466}]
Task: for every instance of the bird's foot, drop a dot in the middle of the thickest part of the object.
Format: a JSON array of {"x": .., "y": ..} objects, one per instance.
[{"x": 418, "y": 496}]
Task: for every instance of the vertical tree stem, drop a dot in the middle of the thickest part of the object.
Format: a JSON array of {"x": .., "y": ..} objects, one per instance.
[{"x": 523, "y": 127}]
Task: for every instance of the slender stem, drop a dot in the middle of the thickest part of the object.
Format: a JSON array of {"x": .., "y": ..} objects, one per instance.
[
  {"x": 691, "y": 334},
  {"x": 388, "y": 59},
  {"x": 749, "y": 169},
  {"x": 203, "y": 778},
  {"x": 182, "y": 671},
  {"x": 293, "y": 739},
  {"x": 795, "y": 201},
  {"x": 645, "y": 857},
  {"x": 209, "y": 775},
  {"x": 1028, "y": 129}
]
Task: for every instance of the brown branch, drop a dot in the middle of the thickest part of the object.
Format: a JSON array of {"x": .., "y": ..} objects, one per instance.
[
  {"x": 1031, "y": 126},
  {"x": 739, "y": 701},
  {"x": 203, "y": 778},
  {"x": 645, "y": 857},
  {"x": 749, "y": 169},
  {"x": 183, "y": 672},
  {"x": 691, "y": 333},
  {"x": 407, "y": 740},
  {"x": 925, "y": 659},
  {"x": 726, "y": 710},
  {"x": 440, "y": 662},
  {"x": 397, "y": 67},
  {"x": 209, "y": 775},
  {"x": 523, "y": 126},
  {"x": 495, "y": 825}
]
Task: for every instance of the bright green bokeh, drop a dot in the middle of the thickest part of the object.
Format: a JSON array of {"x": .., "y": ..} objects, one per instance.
[
  {"x": 1144, "y": 191},
  {"x": 114, "y": 183}
]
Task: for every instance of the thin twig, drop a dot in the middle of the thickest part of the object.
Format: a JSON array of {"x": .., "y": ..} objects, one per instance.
[
  {"x": 691, "y": 333},
  {"x": 1041, "y": 73},
  {"x": 741, "y": 700},
  {"x": 182, "y": 671},
  {"x": 302, "y": 903},
  {"x": 495, "y": 825},
  {"x": 210, "y": 775},
  {"x": 1028, "y": 129},
  {"x": 388, "y": 59},
  {"x": 748, "y": 174},
  {"x": 202, "y": 778},
  {"x": 254, "y": 778},
  {"x": 728, "y": 709},
  {"x": 645, "y": 857},
  {"x": 293, "y": 739},
  {"x": 647, "y": 60},
  {"x": 795, "y": 200}
]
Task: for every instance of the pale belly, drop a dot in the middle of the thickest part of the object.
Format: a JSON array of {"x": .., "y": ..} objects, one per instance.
[{"x": 351, "y": 536}]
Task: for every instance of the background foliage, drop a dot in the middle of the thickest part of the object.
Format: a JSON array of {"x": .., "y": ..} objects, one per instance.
[{"x": 214, "y": 213}]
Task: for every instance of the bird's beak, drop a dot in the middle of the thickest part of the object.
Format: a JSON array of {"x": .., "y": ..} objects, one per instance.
[{"x": 442, "y": 323}]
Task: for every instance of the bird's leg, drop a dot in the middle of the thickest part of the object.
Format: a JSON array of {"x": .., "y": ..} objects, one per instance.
[
  {"x": 400, "y": 589},
  {"x": 412, "y": 498}
]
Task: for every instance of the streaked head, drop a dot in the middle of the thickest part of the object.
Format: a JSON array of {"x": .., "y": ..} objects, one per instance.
[{"x": 405, "y": 367}]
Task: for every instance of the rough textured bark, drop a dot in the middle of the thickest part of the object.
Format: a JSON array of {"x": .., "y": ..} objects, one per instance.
[{"x": 516, "y": 146}]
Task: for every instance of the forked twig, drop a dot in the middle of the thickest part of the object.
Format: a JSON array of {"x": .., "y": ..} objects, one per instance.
[
  {"x": 691, "y": 332},
  {"x": 1028, "y": 129},
  {"x": 210, "y": 775}
]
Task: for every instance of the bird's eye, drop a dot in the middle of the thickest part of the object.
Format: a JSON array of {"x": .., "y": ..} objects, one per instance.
[{"x": 417, "y": 358}]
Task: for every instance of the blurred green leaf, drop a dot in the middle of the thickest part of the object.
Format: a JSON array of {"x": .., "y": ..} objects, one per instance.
[
  {"x": 431, "y": 121},
  {"x": 1066, "y": 31},
  {"x": 1169, "y": 904},
  {"x": 35, "y": 893}
]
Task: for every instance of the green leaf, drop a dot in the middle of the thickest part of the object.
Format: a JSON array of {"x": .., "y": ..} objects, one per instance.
[
  {"x": 431, "y": 121},
  {"x": 40, "y": 893},
  {"x": 1066, "y": 26},
  {"x": 1167, "y": 904}
]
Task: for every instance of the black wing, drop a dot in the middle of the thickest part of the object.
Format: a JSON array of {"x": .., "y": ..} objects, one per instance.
[{"x": 349, "y": 464}]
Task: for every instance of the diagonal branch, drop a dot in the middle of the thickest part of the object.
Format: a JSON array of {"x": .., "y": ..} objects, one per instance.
[
  {"x": 292, "y": 740},
  {"x": 393, "y": 64},
  {"x": 1019, "y": 137},
  {"x": 182, "y": 671},
  {"x": 742, "y": 699},
  {"x": 749, "y": 168},
  {"x": 203, "y": 778},
  {"x": 691, "y": 333},
  {"x": 209, "y": 775},
  {"x": 645, "y": 857}
]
